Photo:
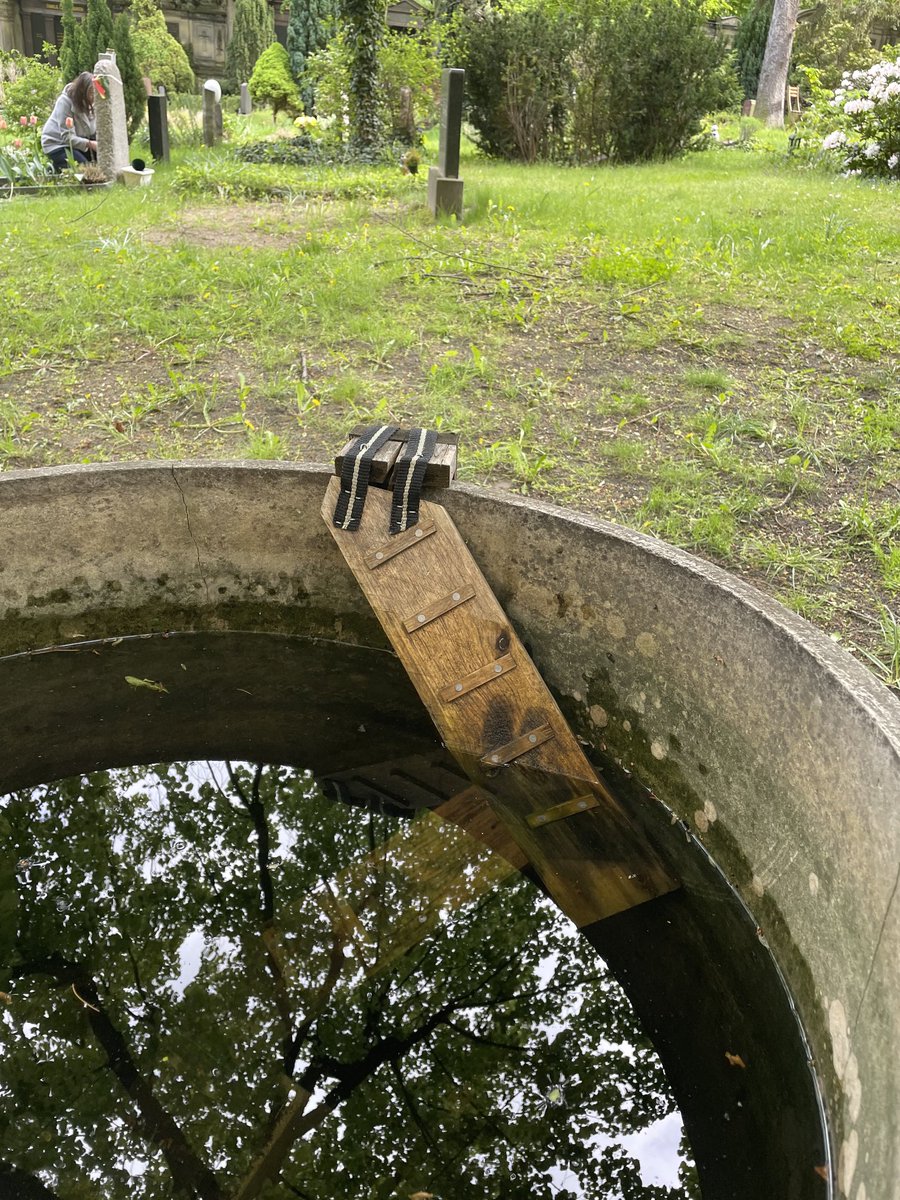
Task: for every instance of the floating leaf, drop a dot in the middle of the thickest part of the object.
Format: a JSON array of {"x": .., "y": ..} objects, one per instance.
[
  {"x": 735, "y": 1060},
  {"x": 822, "y": 1172},
  {"x": 152, "y": 684}
]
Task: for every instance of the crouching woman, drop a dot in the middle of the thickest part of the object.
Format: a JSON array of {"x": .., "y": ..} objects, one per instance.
[{"x": 72, "y": 125}]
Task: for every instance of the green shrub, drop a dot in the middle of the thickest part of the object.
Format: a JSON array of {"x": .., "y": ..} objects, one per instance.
[
  {"x": 834, "y": 38},
  {"x": 328, "y": 76},
  {"x": 645, "y": 73},
  {"x": 403, "y": 61},
  {"x": 33, "y": 89},
  {"x": 625, "y": 80},
  {"x": 159, "y": 56},
  {"x": 409, "y": 62},
  {"x": 272, "y": 83},
  {"x": 518, "y": 78}
]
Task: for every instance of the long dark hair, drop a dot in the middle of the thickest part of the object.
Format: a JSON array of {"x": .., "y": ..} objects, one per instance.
[{"x": 81, "y": 92}]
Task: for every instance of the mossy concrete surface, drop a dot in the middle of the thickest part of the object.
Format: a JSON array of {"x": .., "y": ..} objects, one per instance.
[{"x": 777, "y": 750}]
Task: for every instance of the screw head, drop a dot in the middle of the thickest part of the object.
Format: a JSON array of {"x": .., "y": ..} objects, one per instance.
[
  {"x": 457, "y": 687},
  {"x": 532, "y": 738},
  {"x": 498, "y": 670},
  {"x": 456, "y": 595},
  {"x": 379, "y": 554},
  {"x": 420, "y": 618},
  {"x": 418, "y": 533}
]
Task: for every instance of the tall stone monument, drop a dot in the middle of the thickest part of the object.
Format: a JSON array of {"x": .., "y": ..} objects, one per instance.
[
  {"x": 212, "y": 113},
  {"x": 445, "y": 188},
  {"x": 246, "y": 107},
  {"x": 112, "y": 125},
  {"x": 158, "y": 120}
]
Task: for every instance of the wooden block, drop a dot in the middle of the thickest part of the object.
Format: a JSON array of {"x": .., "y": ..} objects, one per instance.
[
  {"x": 594, "y": 865},
  {"x": 382, "y": 461},
  {"x": 440, "y": 471}
]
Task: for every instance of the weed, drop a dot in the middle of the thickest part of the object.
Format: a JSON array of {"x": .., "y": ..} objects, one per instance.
[
  {"x": 262, "y": 443},
  {"x": 709, "y": 379},
  {"x": 886, "y": 662}
]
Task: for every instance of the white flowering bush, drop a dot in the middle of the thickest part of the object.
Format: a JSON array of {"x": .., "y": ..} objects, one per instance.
[{"x": 869, "y": 103}]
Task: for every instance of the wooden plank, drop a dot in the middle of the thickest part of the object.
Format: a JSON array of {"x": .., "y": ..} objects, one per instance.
[{"x": 593, "y": 865}]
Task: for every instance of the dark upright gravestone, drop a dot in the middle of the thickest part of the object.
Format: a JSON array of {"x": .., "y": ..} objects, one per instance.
[
  {"x": 445, "y": 188},
  {"x": 158, "y": 120}
]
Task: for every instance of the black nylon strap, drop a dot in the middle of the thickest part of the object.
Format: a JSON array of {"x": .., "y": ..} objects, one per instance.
[
  {"x": 355, "y": 472},
  {"x": 409, "y": 475}
]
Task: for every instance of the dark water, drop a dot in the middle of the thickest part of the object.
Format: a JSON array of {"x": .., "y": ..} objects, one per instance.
[
  {"x": 301, "y": 980},
  {"x": 222, "y": 983}
]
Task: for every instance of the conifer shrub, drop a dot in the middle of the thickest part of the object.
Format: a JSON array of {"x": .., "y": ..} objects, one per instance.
[
  {"x": 159, "y": 56},
  {"x": 271, "y": 82}
]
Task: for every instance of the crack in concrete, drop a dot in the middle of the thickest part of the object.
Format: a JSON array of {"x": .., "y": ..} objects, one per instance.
[
  {"x": 187, "y": 517},
  {"x": 887, "y": 913}
]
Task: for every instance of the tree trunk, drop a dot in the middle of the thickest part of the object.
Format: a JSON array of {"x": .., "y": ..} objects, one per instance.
[{"x": 774, "y": 72}]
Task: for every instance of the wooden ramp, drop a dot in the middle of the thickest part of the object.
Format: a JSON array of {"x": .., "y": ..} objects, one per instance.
[{"x": 495, "y": 714}]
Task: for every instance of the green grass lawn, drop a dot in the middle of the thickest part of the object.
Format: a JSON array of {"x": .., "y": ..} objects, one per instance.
[{"x": 705, "y": 349}]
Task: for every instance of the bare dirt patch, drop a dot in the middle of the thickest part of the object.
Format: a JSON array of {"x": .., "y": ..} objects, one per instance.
[{"x": 249, "y": 226}]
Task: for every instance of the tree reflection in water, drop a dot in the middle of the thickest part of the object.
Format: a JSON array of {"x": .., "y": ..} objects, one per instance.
[{"x": 221, "y": 984}]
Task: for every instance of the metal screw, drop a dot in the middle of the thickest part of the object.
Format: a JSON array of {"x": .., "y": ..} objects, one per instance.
[
  {"x": 456, "y": 595},
  {"x": 582, "y": 805},
  {"x": 418, "y": 533},
  {"x": 495, "y": 758},
  {"x": 532, "y": 738},
  {"x": 420, "y": 618},
  {"x": 540, "y": 820},
  {"x": 379, "y": 554},
  {"x": 498, "y": 670},
  {"x": 458, "y": 687}
]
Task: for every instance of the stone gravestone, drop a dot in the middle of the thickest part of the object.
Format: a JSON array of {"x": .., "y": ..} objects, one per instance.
[
  {"x": 406, "y": 122},
  {"x": 445, "y": 188},
  {"x": 246, "y": 102},
  {"x": 158, "y": 120},
  {"x": 212, "y": 113},
  {"x": 112, "y": 126}
]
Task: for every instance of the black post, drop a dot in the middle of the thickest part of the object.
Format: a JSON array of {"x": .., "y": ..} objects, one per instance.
[{"x": 158, "y": 120}]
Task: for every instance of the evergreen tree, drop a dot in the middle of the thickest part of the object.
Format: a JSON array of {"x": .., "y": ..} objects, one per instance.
[
  {"x": 70, "y": 48},
  {"x": 309, "y": 28},
  {"x": 272, "y": 82},
  {"x": 254, "y": 30},
  {"x": 367, "y": 26},
  {"x": 132, "y": 83},
  {"x": 96, "y": 33},
  {"x": 750, "y": 45},
  {"x": 159, "y": 55}
]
